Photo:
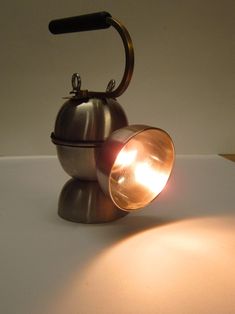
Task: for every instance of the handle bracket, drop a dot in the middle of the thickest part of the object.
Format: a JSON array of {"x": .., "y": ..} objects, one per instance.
[{"x": 99, "y": 21}]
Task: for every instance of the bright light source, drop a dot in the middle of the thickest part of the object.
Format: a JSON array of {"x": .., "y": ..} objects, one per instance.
[
  {"x": 126, "y": 158},
  {"x": 153, "y": 180}
]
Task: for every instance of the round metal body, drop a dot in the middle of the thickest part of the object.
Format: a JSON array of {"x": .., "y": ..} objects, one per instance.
[
  {"x": 81, "y": 126},
  {"x": 134, "y": 165},
  {"x": 79, "y": 161},
  {"x": 83, "y": 201}
]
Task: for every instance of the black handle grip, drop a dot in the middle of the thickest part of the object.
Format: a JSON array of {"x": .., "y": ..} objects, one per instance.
[{"x": 80, "y": 23}]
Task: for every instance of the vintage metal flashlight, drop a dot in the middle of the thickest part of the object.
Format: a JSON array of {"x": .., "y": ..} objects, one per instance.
[{"x": 116, "y": 167}]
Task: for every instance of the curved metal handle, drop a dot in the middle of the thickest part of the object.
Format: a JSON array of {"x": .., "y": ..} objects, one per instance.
[{"x": 94, "y": 21}]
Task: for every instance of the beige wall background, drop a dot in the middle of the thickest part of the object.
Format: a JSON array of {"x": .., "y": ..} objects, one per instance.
[{"x": 183, "y": 80}]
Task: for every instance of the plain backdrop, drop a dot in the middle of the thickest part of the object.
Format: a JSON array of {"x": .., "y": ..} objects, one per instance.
[{"x": 183, "y": 80}]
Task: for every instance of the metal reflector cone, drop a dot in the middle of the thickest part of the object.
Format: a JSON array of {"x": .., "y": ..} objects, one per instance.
[{"x": 134, "y": 165}]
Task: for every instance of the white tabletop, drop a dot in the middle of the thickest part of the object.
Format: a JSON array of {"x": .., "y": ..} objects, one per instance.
[{"x": 176, "y": 256}]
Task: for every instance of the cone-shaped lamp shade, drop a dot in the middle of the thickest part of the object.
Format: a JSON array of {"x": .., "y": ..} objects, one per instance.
[{"x": 134, "y": 165}]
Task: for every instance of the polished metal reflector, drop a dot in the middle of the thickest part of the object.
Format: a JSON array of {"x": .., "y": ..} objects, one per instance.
[{"x": 141, "y": 167}]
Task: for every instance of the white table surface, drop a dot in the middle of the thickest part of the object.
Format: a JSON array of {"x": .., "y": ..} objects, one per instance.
[{"x": 176, "y": 256}]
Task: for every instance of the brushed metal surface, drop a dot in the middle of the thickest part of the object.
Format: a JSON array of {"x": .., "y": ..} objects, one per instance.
[
  {"x": 91, "y": 120},
  {"x": 80, "y": 129},
  {"x": 78, "y": 162},
  {"x": 84, "y": 201}
]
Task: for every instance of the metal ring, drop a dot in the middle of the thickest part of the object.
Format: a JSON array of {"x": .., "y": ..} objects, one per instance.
[{"x": 76, "y": 82}]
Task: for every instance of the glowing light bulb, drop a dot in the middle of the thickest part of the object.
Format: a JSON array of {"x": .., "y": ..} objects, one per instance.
[
  {"x": 126, "y": 158},
  {"x": 152, "y": 179},
  {"x": 121, "y": 180}
]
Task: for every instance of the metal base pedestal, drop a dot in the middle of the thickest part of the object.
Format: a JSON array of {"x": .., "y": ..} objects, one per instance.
[{"x": 84, "y": 202}]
